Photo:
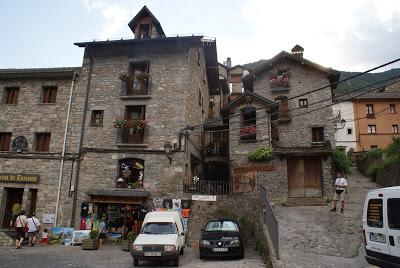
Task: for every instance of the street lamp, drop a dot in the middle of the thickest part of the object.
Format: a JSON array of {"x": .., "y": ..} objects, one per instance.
[
  {"x": 343, "y": 123},
  {"x": 168, "y": 151}
]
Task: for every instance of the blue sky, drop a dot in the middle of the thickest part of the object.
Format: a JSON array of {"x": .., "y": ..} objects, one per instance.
[{"x": 346, "y": 35}]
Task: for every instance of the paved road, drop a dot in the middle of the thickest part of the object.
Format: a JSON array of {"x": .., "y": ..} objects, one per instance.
[
  {"x": 315, "y": 237},
  {"x": 109, "y": 256}
]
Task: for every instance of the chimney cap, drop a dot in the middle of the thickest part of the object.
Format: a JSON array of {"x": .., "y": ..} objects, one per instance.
[{"x": 298, "y": 50}]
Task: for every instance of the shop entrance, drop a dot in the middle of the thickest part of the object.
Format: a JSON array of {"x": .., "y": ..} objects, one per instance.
[{"x": 14, "y": 195}]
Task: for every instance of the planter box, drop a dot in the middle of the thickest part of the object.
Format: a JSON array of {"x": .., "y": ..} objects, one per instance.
[
  {"x": 126, "y": 245},
  {"x": 90, "y": 244}
]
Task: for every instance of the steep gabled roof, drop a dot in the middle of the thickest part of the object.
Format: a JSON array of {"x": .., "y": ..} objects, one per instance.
[
  {"x": 243, "y": 98},
  {"x": 145, "y": 11},
  {"x": 333, "y": 75}
]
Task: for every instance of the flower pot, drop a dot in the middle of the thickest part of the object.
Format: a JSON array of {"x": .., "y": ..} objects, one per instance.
[
  {"x": 126, "y": 244},
  {"x": 90, "y": 244}
]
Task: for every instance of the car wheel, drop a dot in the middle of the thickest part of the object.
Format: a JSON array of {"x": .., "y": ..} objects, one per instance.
[
  {"x": 241, "y": 256},
  {"x": 181, "y": 252},
  {"x": 202, "y": 257},
  {"x": 135, "y": 262},
  {"x": 175, "y": 262}
]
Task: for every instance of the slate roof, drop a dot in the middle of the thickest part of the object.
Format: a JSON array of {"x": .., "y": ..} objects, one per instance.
[
  {"x": 38, "y": 72},
  {"x": 243, "y": 96}
]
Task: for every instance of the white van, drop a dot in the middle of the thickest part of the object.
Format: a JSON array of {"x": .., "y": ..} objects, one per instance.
[
  {"x": 381, "y": 227},
  {"x": 162, "y": 237}
]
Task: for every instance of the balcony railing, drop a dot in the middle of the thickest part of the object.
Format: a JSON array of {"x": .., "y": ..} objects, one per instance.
[
  {"x": 132, "y": 135},
  {"x": 216, "y": 149},
  {"x": 135, "y": 88},
  {"x": 208, "y": 187}
]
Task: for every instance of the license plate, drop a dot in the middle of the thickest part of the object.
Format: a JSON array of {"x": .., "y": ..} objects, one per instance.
[
  {"x": 152, "y": 254},
  {"x": 377, "y": 238},
  {"x": 220, "y": 249}
]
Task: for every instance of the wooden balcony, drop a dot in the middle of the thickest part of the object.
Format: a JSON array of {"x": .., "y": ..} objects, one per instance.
[
  {"x": 132, "y": 136},
  {"x": 135, "y": 89}
]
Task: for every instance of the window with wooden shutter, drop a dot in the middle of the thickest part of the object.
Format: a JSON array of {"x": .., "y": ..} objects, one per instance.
[
  {"x": 5, "y": 140},
  {"x": 43, "y": 142},
  {"x": 11, "y": 95},
  {"x": 97, "y": 118},
  {"x": 317, "y": 134},
  {"x": 49, "y": 94}
]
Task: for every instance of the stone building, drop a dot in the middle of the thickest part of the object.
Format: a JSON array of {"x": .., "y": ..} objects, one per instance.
[
  {"x": 33, "y": 111},
  {"x": 301, "y": 126}
]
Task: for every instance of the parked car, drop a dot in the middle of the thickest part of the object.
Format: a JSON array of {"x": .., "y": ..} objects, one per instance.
[
  {"x": 221, "y": 237},
  {"x": 162, "y": 237},
  {"x": 381, "y": 227}
]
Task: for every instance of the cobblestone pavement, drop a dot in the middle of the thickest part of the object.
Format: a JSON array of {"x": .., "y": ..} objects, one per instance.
[
  {"x": 109, "y": 256},
  {"x": 315, "y": 237}
]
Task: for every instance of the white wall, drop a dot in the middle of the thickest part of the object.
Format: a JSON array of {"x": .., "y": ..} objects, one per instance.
[{"x": 341, "y": 135}]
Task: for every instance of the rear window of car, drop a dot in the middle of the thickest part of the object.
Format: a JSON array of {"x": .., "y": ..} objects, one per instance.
[
  {"x": 394, "y": 213},
  {"x": 221, "y": 226},
  {"x": 375, "y": 213}
]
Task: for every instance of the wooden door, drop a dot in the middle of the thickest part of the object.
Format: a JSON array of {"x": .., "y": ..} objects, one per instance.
[
  {"x": 312, "y": 177},
  {"x": 14, "y": 195},
  {"x": 295, "y": 169},
  {"x": 304, "y": 177}
]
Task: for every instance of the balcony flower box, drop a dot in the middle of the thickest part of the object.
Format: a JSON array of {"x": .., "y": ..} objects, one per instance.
[
  {"x": 248, "y": 132},
  {"x": 133, "y": 123},
  {"x": 280, "y": 79}
]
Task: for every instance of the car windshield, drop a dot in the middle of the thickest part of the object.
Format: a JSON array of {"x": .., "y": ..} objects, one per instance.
[
  {"x": 221, "y": 226},
  {"x": 159, "y": 228}
]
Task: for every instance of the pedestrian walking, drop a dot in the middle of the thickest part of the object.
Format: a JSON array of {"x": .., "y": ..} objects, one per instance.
[
  {"x": 103, "y": 230},
  {"x": 21, "y": 227},
  {"x": 33, "y": 228},
  {"x": 340, "y": 191}
]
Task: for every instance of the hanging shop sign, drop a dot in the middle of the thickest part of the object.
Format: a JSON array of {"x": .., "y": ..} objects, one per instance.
[
  {"x": 204, "y": 197},
  {"x": 263, "y": 167},
  {"x": 24, "y": 178},
  {"x": 117, "y": 200}
]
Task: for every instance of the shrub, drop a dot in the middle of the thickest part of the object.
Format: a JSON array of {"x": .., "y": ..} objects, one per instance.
[
  {"x": 375, "y": 153},
  {"x": 248, "y": 226},
  {"x": 261, "y": 154},
  {"x": 393, "y": 149},
  {"x": 341, "y": 161},
  {"x": 225, "y": 213},
  {"x": 94, "y": 234},
  {"x": 131, "y": 236},
  {"x": 379, "y": 167}
]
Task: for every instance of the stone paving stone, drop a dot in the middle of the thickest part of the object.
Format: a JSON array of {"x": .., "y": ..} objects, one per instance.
[{"x": 315, "y": 237}]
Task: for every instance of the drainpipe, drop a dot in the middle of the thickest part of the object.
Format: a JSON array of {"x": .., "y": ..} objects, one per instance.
[
  {"x": 63, "y": 149},
  {"x": 78, "y": 164}
]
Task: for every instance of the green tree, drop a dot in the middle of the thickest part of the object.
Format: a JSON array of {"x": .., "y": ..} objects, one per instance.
[{"x": 341, "y": 161}]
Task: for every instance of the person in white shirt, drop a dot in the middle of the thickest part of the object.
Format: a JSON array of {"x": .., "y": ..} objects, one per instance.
[
  {"x": 34, "y": 227},
  {"x": 340, "y": 191},
  {"x": 20, "y": 223}
]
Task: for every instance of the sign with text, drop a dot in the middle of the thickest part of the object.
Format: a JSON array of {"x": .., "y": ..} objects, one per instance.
[
  {"x": 117, "y": 200},
  {"x": 48, "y": 218},
  {"x": 24, "y": 178},
  {"x": 263, "y": 167},
  {"x": 204, "y": 197},
  {"x": 244, "y": 182}
]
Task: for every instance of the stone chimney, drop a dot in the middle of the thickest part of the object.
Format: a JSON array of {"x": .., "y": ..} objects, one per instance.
[
  {"x": 228, "y": 62},
  {"x": 298, "y": 51}
]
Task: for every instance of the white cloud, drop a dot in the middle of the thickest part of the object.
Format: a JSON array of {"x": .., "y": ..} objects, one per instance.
[{"x": 343, "y": 34}]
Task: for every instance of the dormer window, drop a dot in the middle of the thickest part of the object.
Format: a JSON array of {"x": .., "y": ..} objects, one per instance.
[{"x": 144, "y": 31}]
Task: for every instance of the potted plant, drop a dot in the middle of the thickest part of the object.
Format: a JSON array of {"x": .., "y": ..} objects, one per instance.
[
  {"x": 121, "y": 123},
  {"x": 124, "y": 77},
  {"x": 127, "y": 243},
  {"x": 92, "y": 242},
  {"x": 136, "y": 123}
]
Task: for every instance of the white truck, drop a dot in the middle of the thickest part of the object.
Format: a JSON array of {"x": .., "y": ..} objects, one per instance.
[
  {"x": 162, "y": 237},
  {"x": 381, "y": 227}
]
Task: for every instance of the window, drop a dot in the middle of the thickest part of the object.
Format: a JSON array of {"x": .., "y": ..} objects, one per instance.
[
  {"x": 49, "y": 94},
  {"x": 370, "y": 110},
  {"x": 303, "y": 103},
  {"x": 11, "y": 95},
  {"x": 131, "y": 170},
  {"x": 349, "y": 131},
  {"x": 42, "y": 142},
  {"x": 374, "y": 146},
  {"x": 144, "y": 31},
  {"x": 375, "y": 213},
  {"x": 5, "y": 140},
  {"x": 97, "y": 118},
  {"x": 200, "y": 97},
  {"x": 371, "y": 129},
  {"x": 392, "y": 108},
  {"x": 395, "y": 129},
  {"x": 317, "y": 134},
  {"x": 248, "y": 131},
  {"x": 138, "y": 83},
  {"x": 393, "y": 213}
]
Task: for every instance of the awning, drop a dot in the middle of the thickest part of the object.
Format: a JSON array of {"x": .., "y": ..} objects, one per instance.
[{"x": 118, "y": 196}]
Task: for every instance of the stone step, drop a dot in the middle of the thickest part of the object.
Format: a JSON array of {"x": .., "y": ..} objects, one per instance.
[{"x": 312, "y": 201}]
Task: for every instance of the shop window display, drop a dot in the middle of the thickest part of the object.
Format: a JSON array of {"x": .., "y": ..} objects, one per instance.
[{"x": 131, "y": 172}]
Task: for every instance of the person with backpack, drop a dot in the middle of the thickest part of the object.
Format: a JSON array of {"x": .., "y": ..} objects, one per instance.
[
  {"x": 21, "y": 228},
  {"x": 34, "y": 227}
]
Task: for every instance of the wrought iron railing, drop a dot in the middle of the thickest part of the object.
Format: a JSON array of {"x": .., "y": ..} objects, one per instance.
[
  {"x": 208, "y": 187},
  {"x": 132, "y": 135},
  {"x": 270, "y": 219},
  {"x": 216, "y": 148},
  {"x": 135, "y": 88}
]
